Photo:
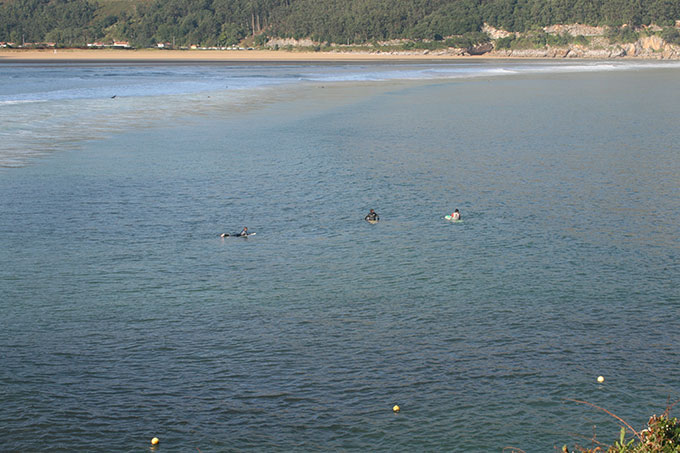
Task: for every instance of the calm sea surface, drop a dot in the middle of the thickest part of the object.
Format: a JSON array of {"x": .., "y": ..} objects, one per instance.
[{"x": 124, "y": 315}]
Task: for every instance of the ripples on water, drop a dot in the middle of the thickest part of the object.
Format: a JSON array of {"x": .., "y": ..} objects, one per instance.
[{"x": 125, "y": 316}]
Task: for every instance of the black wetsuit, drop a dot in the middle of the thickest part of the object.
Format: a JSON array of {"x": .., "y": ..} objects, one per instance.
[{"x": 372, "y": 217}]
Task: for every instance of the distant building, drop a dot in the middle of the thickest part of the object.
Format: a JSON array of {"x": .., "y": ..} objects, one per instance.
[{"x": 124, "y": 44}]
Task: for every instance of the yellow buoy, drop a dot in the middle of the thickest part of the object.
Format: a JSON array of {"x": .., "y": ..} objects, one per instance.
[
  {"x": 600, "y": 379},
  {"x": 396, "y": 408},
  {"x": 155, "y": 441}
]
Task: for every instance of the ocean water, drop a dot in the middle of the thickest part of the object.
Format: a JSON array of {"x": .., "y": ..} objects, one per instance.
[{"x": 124, "y": 315}]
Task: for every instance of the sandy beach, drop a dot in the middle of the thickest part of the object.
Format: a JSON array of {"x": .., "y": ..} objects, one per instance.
[
  {"x": 61, "y": 55},
  {"x": 263, "y": 56}
]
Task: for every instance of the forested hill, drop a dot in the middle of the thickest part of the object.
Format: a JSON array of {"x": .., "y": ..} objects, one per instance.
[{"x": 228, "y": 22}]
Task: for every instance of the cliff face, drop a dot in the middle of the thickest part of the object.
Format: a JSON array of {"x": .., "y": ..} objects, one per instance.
[
  {"x": 648, "y": 47},
  {"x": 584, "y": 42},
  {"x": 580, "y": 41}
]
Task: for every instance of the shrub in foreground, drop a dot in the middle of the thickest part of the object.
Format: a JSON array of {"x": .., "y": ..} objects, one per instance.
[{"x": 662, "y": 435}]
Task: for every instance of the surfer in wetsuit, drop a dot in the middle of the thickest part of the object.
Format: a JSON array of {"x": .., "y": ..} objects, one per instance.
[
  {"x": 242, "y": 234},
  {"x": 455, "y": 215},
  {"x": 372, "y": 216}
]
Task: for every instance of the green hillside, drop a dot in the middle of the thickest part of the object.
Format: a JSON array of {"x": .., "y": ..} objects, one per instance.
[{"x": 228, "y": 22}]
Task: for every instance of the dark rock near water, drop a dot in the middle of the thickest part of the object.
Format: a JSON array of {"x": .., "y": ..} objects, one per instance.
[{"x": 480, "y": 49}]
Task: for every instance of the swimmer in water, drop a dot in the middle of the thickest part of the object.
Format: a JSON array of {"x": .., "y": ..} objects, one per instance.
[
  {"x": 372, "y": 216},
  {"x": 455, "y": 215}
]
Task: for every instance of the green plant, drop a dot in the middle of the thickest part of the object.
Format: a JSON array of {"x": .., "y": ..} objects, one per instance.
[
  {"x": 467, "y": 40},
  {"x": 622, "y": 446},
  {"x": 425, "y": 45},
  {"x": 581, "y": 40},
  {"x": 662, "y": 435},
  {"x": 505, "y": 43},
  {"x": 260, "y": 40},
  {"x": 622, "y": 35},
  {"x": 671, "y": 35}
]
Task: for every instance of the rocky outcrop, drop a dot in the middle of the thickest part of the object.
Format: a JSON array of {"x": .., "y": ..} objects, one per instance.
[
  {"x": 635, "y": 50},
  {"x": 281, "y": 42},
  {"x": 653, "y": 43},
  {"x": 575, "y": 30},
  {"x": 598, "y": 47},
  {"x": 670, "y": 52},
  {"x": 455, "y": 51},
  {"x": 617, "y": 52},
  {"x": 496, "y": 33},
  {"x": 580, "y": 52},
  {"x": 631, "y": 49},
  {"x": 652, "y": 27},
  {"x": 522, "y": 53},
  {"x": 649, "y": 46},
  {"x": 480, "y": 49},
  {"x": 652, "y": 47}
]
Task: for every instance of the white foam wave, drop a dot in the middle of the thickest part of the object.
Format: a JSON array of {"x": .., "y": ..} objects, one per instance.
[
  {"x": 21, "y": 101},
  {"x": 463, "y": 71},
  {"x": 596, "y": 67}
]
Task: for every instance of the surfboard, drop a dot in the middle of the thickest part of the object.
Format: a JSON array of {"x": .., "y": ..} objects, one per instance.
[
  {"x": 372, "y": 222},
  {"x": 448, "y": 217}
]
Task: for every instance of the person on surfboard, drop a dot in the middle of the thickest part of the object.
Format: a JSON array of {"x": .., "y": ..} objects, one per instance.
[
  {"x": 242, "y": 234},
  {"x": 372, "y": 216},
  {"x": 455, "y": 215}
]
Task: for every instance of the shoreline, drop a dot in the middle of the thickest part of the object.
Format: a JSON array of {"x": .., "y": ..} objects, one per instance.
[{"x": 254, "y": 56}]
